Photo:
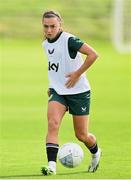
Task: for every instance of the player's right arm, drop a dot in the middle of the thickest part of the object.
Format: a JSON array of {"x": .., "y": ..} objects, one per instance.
[{"x": 48, "y": 92}]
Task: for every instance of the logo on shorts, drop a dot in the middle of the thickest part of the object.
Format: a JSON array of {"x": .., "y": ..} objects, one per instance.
[
  {"x": 50, "y": 97},
  {"x": 83, "y": 109},
  {"x": 88, "y": 96}
]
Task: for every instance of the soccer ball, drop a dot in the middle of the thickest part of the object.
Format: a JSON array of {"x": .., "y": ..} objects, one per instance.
[{"x": 70, "y": 155}]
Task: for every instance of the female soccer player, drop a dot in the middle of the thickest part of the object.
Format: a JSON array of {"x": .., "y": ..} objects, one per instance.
[{"x": 69, "y": 90}]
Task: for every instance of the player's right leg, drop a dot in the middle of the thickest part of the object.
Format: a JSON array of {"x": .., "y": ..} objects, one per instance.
[{"x": 56, "y": 111}]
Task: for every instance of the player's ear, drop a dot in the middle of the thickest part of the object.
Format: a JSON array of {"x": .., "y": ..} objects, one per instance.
[{"x": 61, "y": 29}]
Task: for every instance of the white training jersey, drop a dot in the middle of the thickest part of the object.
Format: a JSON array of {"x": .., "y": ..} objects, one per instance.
[{"x": 61, "y": 64}]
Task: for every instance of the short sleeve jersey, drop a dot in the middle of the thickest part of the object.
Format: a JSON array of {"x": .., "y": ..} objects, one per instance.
[{"x": 74, "y": 44}]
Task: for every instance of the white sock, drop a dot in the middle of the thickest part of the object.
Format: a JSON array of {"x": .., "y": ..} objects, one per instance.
[{"x": 52, "y": 165}]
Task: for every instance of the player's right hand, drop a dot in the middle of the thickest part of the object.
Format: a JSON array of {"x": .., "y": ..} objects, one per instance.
[{"x": 48, "y": 92}]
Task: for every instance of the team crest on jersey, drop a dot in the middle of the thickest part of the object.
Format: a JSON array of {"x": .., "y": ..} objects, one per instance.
[{"x": 51, "y": 51}]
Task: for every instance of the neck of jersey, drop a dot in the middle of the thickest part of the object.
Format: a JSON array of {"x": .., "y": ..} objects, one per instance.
[{"x": 54, "y": 39}]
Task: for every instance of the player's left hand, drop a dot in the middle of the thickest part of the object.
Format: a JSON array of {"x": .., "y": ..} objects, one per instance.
[{"x": 72, "y": 79}]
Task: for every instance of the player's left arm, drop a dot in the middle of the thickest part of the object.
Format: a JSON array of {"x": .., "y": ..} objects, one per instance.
[{"x": 90, "y": 59}]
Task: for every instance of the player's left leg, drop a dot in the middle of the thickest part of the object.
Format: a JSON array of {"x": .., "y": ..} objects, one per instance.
[{"x": 81, "y": 132}]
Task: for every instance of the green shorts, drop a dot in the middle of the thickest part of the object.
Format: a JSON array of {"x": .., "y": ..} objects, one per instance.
[{"x": 77, "y": 104}]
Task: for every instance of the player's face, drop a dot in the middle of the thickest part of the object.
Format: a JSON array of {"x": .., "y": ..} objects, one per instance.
[{"x": 51, "y": 27}]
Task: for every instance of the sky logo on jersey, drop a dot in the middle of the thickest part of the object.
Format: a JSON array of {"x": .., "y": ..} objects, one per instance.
[
  {"x": 53, "y": 66},
  {"x": 51, "y": 51}
]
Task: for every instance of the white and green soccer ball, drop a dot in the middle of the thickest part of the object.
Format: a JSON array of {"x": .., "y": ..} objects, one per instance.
[{"x": 70, "y": 155}]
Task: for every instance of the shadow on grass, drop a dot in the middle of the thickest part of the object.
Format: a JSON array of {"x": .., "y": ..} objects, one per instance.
[{"x": 40, "y": 175}]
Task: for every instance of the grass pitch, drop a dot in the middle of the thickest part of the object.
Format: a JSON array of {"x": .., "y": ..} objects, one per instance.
[{"x": 24, "y": 104}]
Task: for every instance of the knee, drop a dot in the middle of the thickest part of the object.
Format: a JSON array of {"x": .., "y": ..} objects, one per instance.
[{"x": 81, "y": 137}]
